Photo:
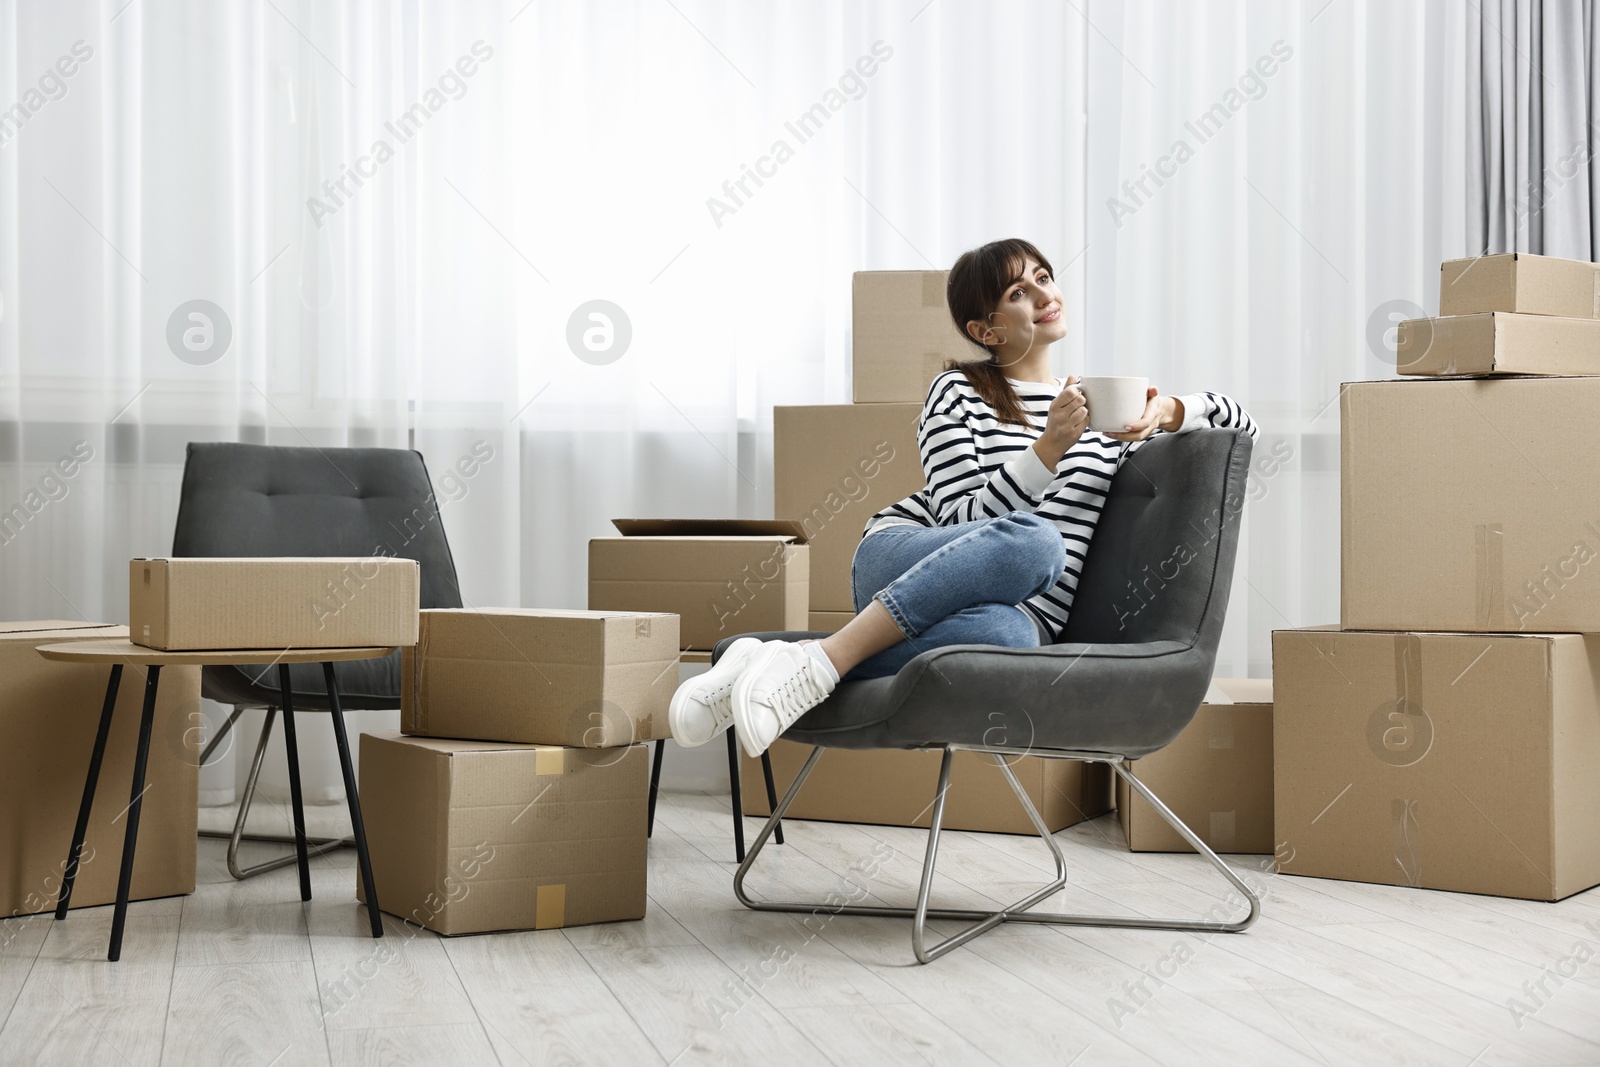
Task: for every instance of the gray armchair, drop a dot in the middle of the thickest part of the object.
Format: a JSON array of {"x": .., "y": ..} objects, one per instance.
[{"x": 1128, "y": 676}]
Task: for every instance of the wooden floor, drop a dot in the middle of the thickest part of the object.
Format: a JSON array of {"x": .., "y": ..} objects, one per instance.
[{"x": 1333, "y": 973}]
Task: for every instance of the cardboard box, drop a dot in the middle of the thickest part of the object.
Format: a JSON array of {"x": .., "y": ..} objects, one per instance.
[
  {"x": 895, "y": 787},
  {"x": 1445, "y": 761},
  {"x": 539, "y": 676},
  {"x": 1471, "y": 504},
  {"x": 834, "y": 466},
  {"x": 1516, "y": 281},
  {"x": 1216, "y": 776},
  {"x": 721, "y": 577},
  {"x": 328, "y": 602},
  {"x": 902, "y": 334},
  {"x": 1498, "y": 343},
  {"x": 831, "y": 621},
  {"x": 469, "y": 836},
  {"x": 49, "y": 714}
]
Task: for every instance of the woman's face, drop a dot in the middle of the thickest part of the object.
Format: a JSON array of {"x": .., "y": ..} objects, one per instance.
[{"x": 1029, "y": 316}]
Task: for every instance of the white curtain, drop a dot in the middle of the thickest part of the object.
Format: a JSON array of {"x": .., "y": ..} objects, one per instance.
[
  {"x": 404, "y": 211},
  {"x": 1263, "y": 207},
  {"x": 396, "y": 210}
]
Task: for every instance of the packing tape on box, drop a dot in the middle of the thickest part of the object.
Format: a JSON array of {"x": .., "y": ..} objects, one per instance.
[
  {"x": 1595, "y": 309},
  {"x": 550, "y": 761},
  {"x": 417, "y": 713},
  {"x": 1407, "y": 842},
  {"x": 1221, "y": 728},
  {"x": 932, "y": 288},
  {"x": 1221, "y": 838},
  {"x": 1408, "y": 669},
  {"x": 1489, "y": 543},
  {"x": 550, "y": 906}
]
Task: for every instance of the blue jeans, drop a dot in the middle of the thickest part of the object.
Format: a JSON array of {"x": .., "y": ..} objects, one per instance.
[{"x": 955, "y": 585}]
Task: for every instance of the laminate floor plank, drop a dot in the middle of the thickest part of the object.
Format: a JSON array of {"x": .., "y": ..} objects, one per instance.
[
  {"x": 697, "y": 1010},
  {"x": 75, "y": 1003},
  {"x": 444, "y": 1045},
  {"x": 541, "y": 1003},
  {"x": 367, "y": 982},
  {"x": 246, "y": 1013}
]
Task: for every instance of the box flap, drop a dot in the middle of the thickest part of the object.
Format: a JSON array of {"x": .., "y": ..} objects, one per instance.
[
  {"x": 51, "y": 625},
  {"x": 451, "y": 747},
  {"x": 712, "y": 528},
  {"x": 285, "y": 560},
  {"x": 1240, "y": 691}
]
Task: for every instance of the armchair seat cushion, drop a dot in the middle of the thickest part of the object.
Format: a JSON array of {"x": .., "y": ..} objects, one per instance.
[
  {"x": 364, "y": 684},
  {"x": 1064, "y": 696}
]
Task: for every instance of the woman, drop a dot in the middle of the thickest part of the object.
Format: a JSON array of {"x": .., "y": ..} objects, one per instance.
[{"x": 989, "y": 551}]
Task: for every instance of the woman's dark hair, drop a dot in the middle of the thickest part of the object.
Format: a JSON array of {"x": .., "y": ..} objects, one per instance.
[{"x": 977, "y": 281}]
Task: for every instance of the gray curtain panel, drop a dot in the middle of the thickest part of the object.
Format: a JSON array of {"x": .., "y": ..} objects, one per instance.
[{"x": 1532, "y": 74}]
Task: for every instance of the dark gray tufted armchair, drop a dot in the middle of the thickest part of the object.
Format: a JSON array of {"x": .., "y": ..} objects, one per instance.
[
  {"x": 266, "y": 500},
  {"x": 1129, "y": 675}
]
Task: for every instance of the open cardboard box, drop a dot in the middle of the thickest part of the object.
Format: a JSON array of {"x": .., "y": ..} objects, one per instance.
[{"x": 721, "y": 577}]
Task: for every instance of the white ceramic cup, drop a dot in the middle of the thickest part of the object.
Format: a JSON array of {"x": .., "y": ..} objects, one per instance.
[{"x": 1114, "y": 402}]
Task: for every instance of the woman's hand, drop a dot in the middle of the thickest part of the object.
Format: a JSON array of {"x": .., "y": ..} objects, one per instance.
[
  {"x": 1064, "y": 424},
  {"x": 1160, "y": 413}
]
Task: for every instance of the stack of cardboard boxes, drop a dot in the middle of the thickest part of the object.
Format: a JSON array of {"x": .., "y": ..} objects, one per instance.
[
  {"x": 514, "y": 798},
  {"x": 1446, "y": 733}
]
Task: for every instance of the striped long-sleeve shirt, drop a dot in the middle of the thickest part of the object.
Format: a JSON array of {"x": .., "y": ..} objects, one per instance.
[{"x": 976, "y": 467}]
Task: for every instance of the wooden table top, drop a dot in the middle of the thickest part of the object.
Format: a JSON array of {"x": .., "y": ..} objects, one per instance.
[{"x": 125, "y": 651}]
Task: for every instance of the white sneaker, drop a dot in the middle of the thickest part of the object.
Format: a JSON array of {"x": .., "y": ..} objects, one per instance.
[
  {"x": 702, "y": 706},
  {"x": 783, "y": 682}
]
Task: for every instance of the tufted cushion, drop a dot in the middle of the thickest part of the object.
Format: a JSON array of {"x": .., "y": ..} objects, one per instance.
[{"x": 264, "y": 500}]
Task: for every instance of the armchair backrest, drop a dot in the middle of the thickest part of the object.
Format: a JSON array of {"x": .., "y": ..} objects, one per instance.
[
  {"x": 267, "y": 500},
  {"x": 1160, "y": 564}
]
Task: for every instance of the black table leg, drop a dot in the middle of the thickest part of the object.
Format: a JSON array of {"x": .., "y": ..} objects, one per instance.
[
  {"x": 655, "y": 786},
  {"x": 292, "y": 750},
  {"x": 363, "y": 858},
  {"x": 772, "y": 795},
  {"x": 738, "y": 798},
  {"x": 130, "y": 838},
  {"x": 81, "y": 830}
]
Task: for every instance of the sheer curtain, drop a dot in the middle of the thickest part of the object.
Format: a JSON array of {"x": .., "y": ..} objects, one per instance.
[
  {"x": 397, "y": 217},
  {"x": 1264, "y": 206},
  {"x": 406, "y": 213}
]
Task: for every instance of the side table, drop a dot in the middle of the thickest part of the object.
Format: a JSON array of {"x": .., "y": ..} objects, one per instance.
[{"x": 118, "y": 653}]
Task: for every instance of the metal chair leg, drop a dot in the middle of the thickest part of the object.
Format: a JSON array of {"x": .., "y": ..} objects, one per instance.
[
  {"x": 363, "y": 857},
  {"x": 738, "y": 798},
  {"x": 291, "y": 750},
  {"x": 227, "y": 727},
  {"x": 81, "y": 830},
  {"x": 130, "y": 837},
  {"x": 1019, "y": 911},
  {"x": 772, "y": 794},
  {"x": 247, "y": 799}
]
